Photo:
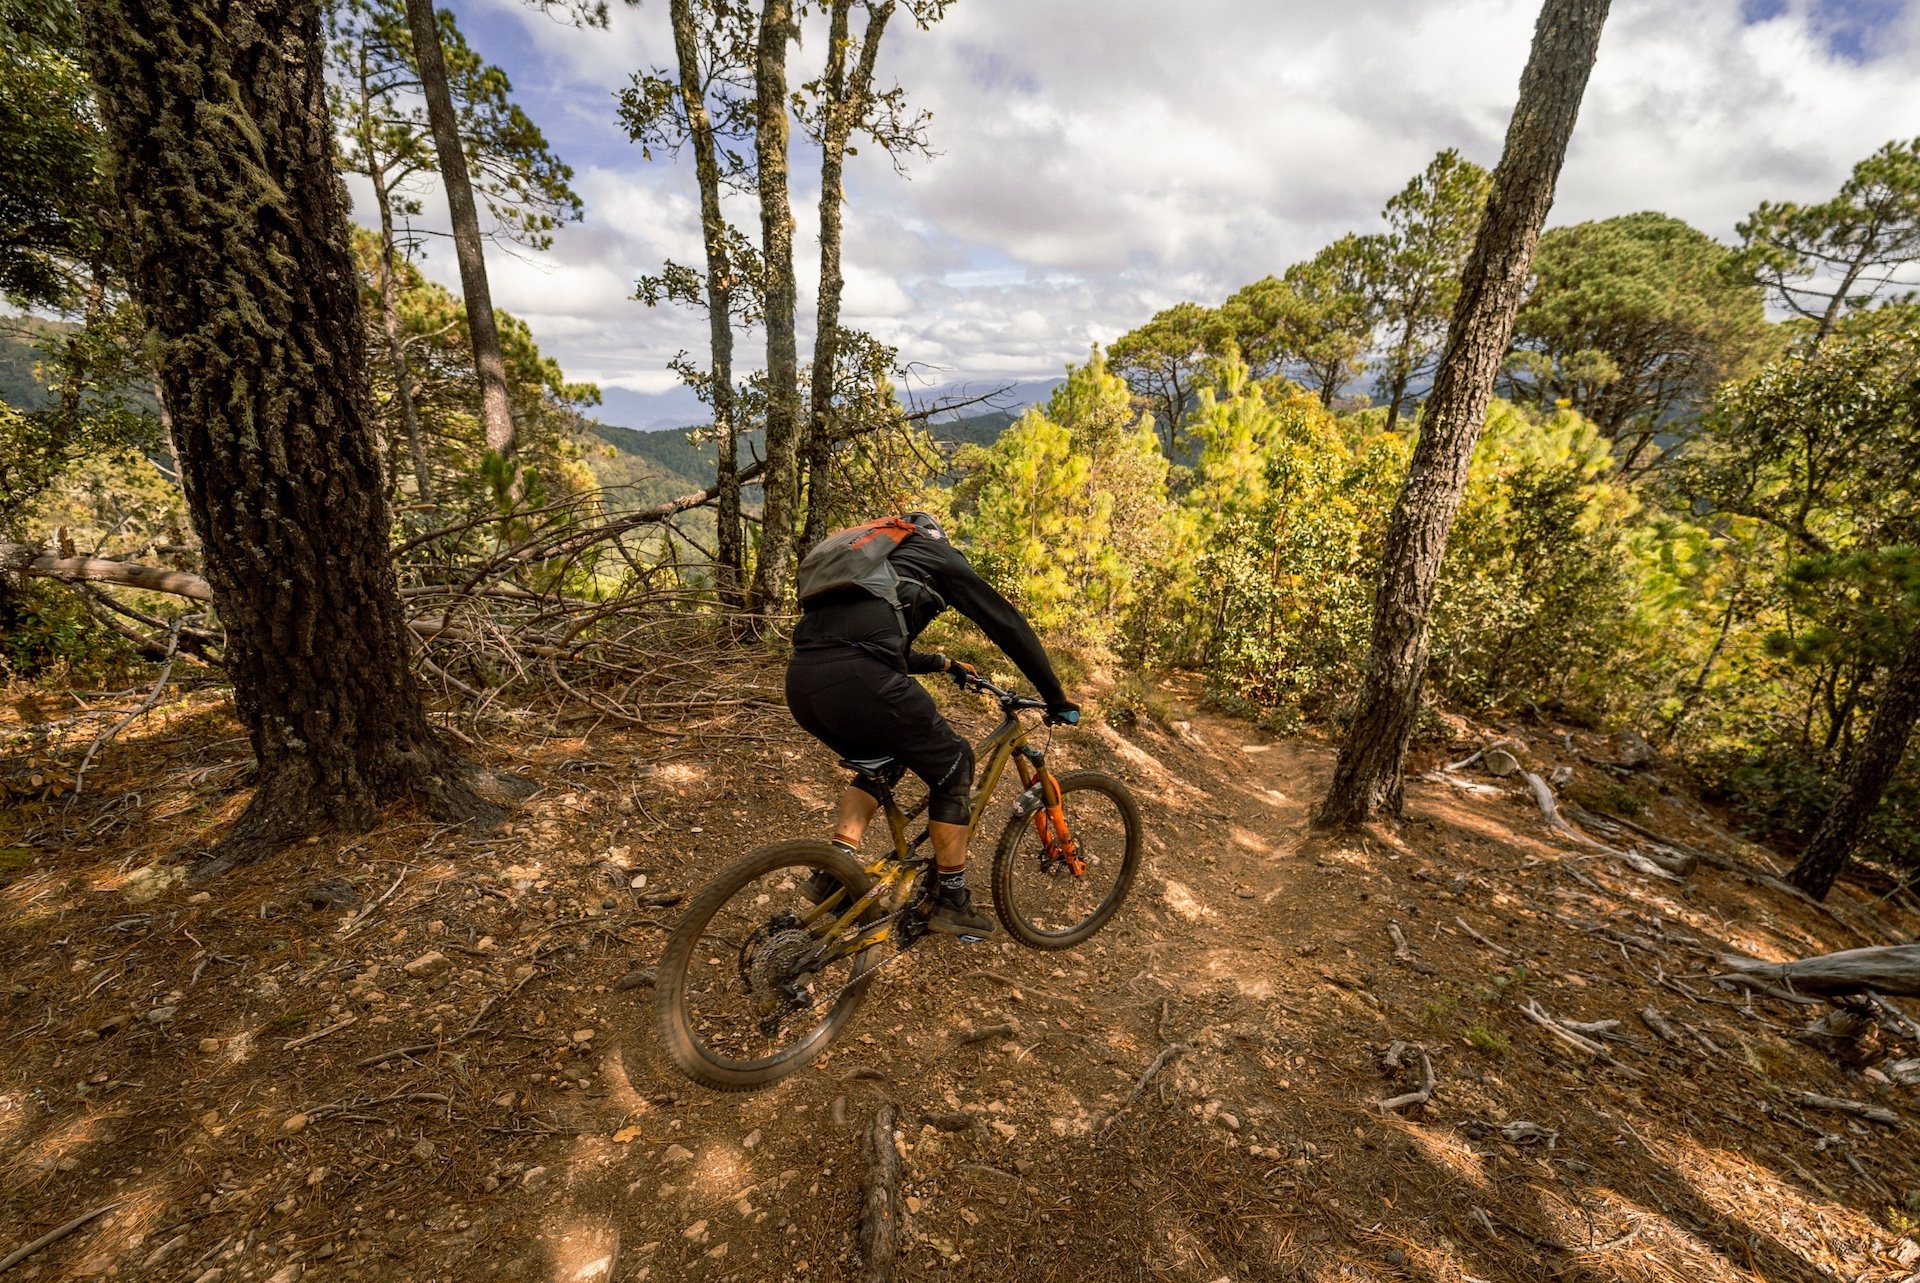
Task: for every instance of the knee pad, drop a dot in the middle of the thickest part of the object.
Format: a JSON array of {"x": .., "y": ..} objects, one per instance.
[{"x": 950, "y": 797}]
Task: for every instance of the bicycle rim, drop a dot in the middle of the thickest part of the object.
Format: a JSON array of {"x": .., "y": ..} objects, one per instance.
[
  {"x": 1043, "y": 903},
  {"x": 738, "y": 1001}
]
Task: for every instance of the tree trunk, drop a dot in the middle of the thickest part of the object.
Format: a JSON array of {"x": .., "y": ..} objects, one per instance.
[
  {"x": 781, "y": 487},
  {"x": 1867, "y": 771},
  {"x": 488, "y": 364},
  {"x": 1402, "y": 373},
  {"x": 713, "y": 230},
  {"x": 1367, "y": 779},
  {"x": 845, "y": 103},
  {"x": 1699, "y": 685},
  {"x": 390, "y": 323},
  {"x": 1893, "y": 969},
  {"x": 224, "y": 164}
]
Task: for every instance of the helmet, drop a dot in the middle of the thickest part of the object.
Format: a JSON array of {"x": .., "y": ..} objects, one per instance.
[{"x": 927, "y": 524}]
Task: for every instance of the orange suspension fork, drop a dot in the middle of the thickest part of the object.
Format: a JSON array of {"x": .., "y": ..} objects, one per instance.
[{"x": 1050, "y": 821}]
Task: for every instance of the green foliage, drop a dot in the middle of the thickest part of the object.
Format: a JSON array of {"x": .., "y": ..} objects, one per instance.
[
  {"x": 1315, "y": 320},
  {"x": 86, "y": 393},
  {"x": 1635, "y": 322},
  {"x": 546, "y": 405},
  {"x": 1483, "y": 1039},
  {"x": 53, "y": 205},
  {"x": 1416, "y": 266},
  {"x": 1822, "y": 261},
  {"x": 374, "y": 90},
  {"x": 1164, "y": 361},
  {"x": 45, "y": 630},
  {"x": 1535, "y": 596},
  {"x": 1068, "y": 508}
]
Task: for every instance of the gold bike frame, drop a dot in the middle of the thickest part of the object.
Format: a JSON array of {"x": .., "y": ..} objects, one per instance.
[{"x": 899, "y": 866}]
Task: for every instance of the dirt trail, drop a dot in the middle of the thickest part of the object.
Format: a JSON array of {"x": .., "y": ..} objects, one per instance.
[{"x": 418, "y": 1055}]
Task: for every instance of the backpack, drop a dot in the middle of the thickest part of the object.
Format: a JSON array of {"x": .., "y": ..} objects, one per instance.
[{"x": 858, "y": 558}]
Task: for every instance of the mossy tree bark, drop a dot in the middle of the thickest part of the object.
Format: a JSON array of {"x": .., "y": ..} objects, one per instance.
[
  {"x": 223, "y": 154},
  {"x": 774, "y": 571},
  {"x": 1367, "y": 780}
]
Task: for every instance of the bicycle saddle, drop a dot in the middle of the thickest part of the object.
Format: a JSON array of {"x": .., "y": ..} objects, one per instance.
[{"x": 868, "y": 765}]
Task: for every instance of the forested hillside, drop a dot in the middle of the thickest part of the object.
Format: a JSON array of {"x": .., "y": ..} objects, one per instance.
[{"x": 1506, "y": 625}]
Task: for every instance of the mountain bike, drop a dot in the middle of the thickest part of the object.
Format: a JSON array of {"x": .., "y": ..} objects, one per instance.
[{"x": 756, "y": 982}]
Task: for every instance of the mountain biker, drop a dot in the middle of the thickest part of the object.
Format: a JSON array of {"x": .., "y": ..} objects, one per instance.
[{"x": 850, "y": 685}]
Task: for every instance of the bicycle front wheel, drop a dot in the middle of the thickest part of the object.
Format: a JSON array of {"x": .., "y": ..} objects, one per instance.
[
  {"x": 741, "y": 999},
  {"x": 1044, "y": 901}
]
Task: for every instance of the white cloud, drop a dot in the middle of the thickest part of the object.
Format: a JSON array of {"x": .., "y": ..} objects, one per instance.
[{"x": 1100, "y": 159}]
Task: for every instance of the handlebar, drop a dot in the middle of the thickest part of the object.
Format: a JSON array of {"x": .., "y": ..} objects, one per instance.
[{"x": 1010, "y": 703}]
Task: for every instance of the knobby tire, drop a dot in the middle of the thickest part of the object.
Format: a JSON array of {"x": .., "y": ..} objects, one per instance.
[{"x": 677, "y": 1037}]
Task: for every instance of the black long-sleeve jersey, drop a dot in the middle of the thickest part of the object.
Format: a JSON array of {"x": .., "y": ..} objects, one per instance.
[{"x": 934, "y": 575}]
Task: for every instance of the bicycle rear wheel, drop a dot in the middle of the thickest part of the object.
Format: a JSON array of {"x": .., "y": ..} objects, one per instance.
[
  {"x": 738, "y": 1002},
  {"x": 1042, "y": 900}
]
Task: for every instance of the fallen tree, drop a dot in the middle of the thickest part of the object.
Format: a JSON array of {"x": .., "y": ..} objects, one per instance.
[{"x": 1886, "y": 969}]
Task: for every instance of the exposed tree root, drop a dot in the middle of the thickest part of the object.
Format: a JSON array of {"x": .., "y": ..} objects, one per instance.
[{"x": 880, "y": 1200}]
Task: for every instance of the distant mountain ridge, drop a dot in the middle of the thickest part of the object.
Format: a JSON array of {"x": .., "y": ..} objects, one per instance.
[{"x": 663, "y": 463}]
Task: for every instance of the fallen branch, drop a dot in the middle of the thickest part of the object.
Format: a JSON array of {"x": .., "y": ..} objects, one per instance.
[
  {"x": 26, "y": 560},
  {"x": 1543, "y": 796},
  {"x": 1887, "y": 969},
  {"x": 1503, "y": 952},
  {"x": 1420, "y": 1095},
  {"x": 1159, "y": 1063},
  {"x": 1402, "y": 952},
  {"x": 880, "y": 1200},
  {"x": 1652, "y": 1019},
  {"x": 981, "y": 1034},
  {"x": 1575, "y": 1038},
  {"x": 1873, "y": 1113},
  {"x": 334, "y": 1028},
  {"x": 153, "y": 697},
  {"x": 51, "y": 1237}
]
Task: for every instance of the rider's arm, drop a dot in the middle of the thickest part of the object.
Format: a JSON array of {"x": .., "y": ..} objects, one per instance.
[
  {"x": 1004, "y": 626},
  {"x": 926, "y": 661}
]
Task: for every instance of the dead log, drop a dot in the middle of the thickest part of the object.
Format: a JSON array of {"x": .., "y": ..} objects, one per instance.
[
  {"x": 27, "y": 560},
  {"x": 1652, "y": 866},
  {"x": 1859, "y": 1108},
  {"x": 880, "y": 1200},
  {"x": 1888, "y": 969}
]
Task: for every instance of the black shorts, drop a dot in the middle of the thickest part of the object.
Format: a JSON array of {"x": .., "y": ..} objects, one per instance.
[{"x": 859, "y": 706}]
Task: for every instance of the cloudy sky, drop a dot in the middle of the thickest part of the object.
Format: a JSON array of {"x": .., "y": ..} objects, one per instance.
[{"x": 1102, "y": 159}]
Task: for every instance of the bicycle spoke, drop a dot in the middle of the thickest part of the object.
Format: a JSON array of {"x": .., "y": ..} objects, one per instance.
[
  {"x": 770, "y": 994},
  {"x": 1051, "y": 892}
]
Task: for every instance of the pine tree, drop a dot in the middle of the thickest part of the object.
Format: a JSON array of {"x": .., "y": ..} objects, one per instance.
[
  {"x": 237, "y": 230},
  {"x": 1367, "y": 778}
]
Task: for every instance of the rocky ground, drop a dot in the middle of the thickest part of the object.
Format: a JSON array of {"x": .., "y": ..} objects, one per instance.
[{"x": 422, "y": 1054}]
